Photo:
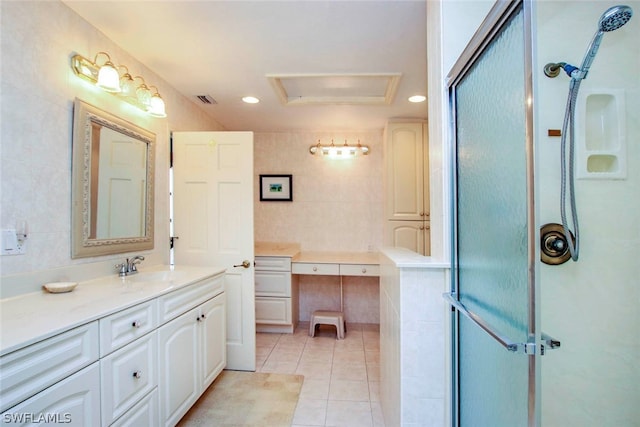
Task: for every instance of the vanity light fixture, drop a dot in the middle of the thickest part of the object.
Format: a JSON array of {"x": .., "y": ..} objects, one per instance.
[
  {"x": 143, "y": 94},
  {"x": 156, "y": 104},
  {"x": 344, "y": 151},
  {"x": 108, "y": 78},
  {"x": 127, "y": 84}
]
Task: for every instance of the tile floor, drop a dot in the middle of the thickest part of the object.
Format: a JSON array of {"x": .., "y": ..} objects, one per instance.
[{"x": 341, "y": 377}]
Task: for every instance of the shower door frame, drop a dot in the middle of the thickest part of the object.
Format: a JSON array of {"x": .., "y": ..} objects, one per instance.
[{"x": 492, "y": 25}]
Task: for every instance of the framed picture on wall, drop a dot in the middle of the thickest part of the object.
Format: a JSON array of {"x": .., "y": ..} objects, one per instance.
[{"x": 276, "y": 188}]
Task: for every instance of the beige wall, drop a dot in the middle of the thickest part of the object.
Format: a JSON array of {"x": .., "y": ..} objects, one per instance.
[
  {"x": 36, "y": 106},
  {"x": 337, "y": 206}
]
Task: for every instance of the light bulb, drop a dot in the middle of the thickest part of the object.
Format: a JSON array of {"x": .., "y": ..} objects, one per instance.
[
  {"x": 127, "y": 86},
  {"x": 144, "y": 96},
  {"x": 156, "y": 106},
  {"x": 108, "y": 78}
]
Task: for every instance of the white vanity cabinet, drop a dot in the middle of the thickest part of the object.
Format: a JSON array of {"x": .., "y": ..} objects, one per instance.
[
  {"x": 192, "y": 347},
  {"x": 276, "y": 295},
  {"x": 143, "y": 413},
  {"x": 54, "y": 380},
  {"x": 127, "y": 375},
  {"x": 74, "y": 401},
  {"x": 31, "y": 369},
  {"x": 127, "y": 325},
  {"x": 120, "y": 368}
]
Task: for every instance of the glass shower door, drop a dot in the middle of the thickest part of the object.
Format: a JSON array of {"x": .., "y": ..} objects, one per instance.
[{"x": 493, "y": 285}]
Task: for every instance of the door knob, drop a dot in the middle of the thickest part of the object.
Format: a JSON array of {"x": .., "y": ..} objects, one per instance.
[{"x": 245, "y": 264}]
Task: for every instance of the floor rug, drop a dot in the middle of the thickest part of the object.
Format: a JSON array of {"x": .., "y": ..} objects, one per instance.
[{"x": 244, "y": 399}]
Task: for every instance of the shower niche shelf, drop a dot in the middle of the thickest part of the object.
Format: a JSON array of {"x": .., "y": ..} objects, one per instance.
[{"x": 600, "y": 135}]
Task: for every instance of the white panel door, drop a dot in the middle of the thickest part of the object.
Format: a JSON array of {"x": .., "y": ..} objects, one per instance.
[{"x": 213, "y": 219}]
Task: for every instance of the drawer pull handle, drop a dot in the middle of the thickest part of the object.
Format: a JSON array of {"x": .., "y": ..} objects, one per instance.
[
  {"x": 137, "y": 375},
  {"x": 315, "y": 268},
  {"x": 364, "y": 270},
  {"x": 136, "y": 324}
]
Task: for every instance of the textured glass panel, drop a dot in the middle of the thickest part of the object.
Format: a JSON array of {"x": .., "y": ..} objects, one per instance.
[{"x": 492, "y": 231}]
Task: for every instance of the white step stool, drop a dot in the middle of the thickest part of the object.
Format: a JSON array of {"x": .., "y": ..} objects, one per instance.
[{"x": 322, "y": 317}]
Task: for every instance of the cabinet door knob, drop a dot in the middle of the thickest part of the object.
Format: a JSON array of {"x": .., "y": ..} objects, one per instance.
[
  {"x": 137, "y": 375},
  {"x": 136, "y": 324},
  {"x": 203, "y": 317}
]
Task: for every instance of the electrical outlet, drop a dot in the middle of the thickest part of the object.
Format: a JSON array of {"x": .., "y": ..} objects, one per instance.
[{"x": 9, "y": 243}]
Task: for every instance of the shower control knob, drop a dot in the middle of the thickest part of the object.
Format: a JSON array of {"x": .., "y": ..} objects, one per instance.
[
  {"x": 558, "y": 244},
  {"x": 554, "y": 247}
]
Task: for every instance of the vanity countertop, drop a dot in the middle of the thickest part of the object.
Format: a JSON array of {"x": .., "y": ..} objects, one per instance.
[
  {"x": 283, "y": 249},
  {"x": 28, "y": 318}
]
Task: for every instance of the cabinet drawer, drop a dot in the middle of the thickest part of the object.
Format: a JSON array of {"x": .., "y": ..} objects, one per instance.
[
  {"x": 273, "y": 283},
  {"x": 359, "y": 270},
  {"x": 144, "y": 413},
  {"x": 310, "y": 268},
  {"x": 27, "y": 371},
  {"x": 183, "y": 300},
  {"x": 125, "y": 326},
  {"x": 273, "y": 311},
  {"x": 127, "y": 375},
  {"x": 74, "y": 401},
  {"x": 272, "y": 263}
]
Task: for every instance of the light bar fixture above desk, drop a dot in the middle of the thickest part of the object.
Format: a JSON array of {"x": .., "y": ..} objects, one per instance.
[
  {"x": 344, "y": 151},
  {"x": 108, "y": 78}
]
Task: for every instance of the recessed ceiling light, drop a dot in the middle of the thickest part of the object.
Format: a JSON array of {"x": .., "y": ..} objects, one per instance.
[
  {"x": 250, "y": 99},
  {"x": 417, "y": 98}
]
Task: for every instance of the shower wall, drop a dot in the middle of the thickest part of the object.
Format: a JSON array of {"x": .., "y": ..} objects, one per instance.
[{"x": 592, "y": 306}]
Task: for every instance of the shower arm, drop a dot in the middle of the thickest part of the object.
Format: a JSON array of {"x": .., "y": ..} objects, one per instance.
[{"x": 552, "y": 69}]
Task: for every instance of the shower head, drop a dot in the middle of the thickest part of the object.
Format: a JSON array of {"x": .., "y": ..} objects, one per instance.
[{"x": 614, "y": 18}]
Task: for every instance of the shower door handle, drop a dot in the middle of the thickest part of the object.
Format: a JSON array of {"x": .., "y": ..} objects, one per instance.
[
  {"x": 505, "y": 342},
  {"x": 550, "y": 343},
  {"x": 528, "y": 348}
]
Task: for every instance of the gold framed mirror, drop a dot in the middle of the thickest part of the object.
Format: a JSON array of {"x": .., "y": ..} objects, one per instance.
[{"x": 112, "y": 184}]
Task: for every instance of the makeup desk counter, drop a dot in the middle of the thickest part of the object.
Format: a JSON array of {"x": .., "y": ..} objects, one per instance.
[{"x": 278, "y": 267}]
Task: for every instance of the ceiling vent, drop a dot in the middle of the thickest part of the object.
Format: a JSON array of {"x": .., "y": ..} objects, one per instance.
[
  {"x": 206, "y": 99},
  {"x": 314, "y": 89}
]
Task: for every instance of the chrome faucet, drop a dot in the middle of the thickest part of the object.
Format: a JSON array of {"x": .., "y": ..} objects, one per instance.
[{"x": 129, "y": 266}]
